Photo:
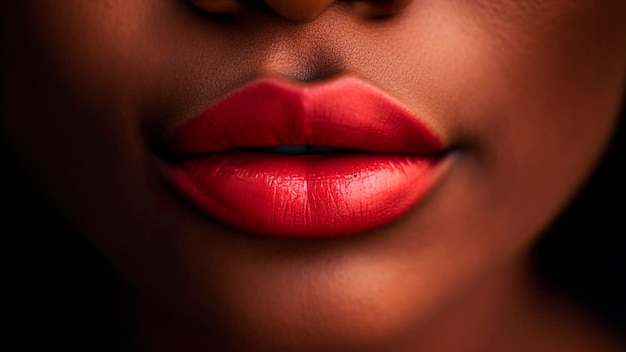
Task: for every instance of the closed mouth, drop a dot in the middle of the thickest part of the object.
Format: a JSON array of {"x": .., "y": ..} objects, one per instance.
[{"x": 315, "y": 161}]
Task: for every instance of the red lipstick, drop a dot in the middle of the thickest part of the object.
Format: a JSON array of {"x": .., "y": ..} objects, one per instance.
[{"x": 385, "y": 160}]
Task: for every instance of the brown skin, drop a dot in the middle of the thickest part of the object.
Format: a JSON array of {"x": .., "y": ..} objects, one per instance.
[{"x": 526, "y": 93}]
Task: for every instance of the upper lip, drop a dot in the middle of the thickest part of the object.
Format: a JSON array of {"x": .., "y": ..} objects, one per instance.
[{"x": 344, "y": 113}]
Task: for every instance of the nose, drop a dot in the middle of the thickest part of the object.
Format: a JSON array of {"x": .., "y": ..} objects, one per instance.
[{"x": 305, "y": 10}]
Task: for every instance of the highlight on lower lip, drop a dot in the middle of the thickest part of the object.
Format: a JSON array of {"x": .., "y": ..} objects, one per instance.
[{"x": 306, "y": 196}]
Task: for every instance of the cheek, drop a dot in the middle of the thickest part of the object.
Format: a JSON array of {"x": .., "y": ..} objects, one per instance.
[
  {"x": 533, "y": 93},
  {"x": 72, "y": 113},
  {"x": 548, "y": 102}
]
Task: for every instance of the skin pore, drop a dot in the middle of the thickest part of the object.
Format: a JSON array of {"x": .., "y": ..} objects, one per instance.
[{"x": 524, "y": 94}]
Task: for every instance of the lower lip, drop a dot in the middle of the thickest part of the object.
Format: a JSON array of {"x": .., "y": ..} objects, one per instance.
[{"x": 305, "y": 196}]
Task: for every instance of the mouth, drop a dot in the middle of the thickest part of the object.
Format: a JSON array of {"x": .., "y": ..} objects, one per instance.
[{"x": 311, "y": 161}]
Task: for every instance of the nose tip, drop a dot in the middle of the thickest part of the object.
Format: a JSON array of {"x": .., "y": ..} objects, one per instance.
[{"x": 298, "y": 10}]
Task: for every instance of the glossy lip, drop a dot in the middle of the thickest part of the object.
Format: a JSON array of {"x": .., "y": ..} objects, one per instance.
[{"x": 305, "y": 196}]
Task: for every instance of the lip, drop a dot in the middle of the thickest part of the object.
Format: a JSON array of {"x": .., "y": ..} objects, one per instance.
[{"x": 212, "y": 161}]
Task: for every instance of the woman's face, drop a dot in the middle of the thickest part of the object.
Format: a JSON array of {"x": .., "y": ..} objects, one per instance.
[{"x": 523, "y": 96}]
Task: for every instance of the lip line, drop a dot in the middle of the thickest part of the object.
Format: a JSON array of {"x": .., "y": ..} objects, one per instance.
[
  {"x": 305, "y": 196},
  {"x": 374, "y": 120}
]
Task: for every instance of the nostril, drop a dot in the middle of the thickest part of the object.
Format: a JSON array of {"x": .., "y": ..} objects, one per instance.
[
  {"x": 381, "y": 8},
  {"x": 292, "y": 10},
  {"x": 301, "y": 10},
  {"x": 218, "y": 7},
  {"x": 298, "y": 10}
]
